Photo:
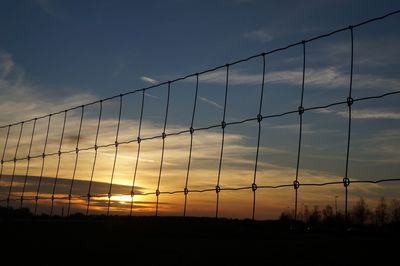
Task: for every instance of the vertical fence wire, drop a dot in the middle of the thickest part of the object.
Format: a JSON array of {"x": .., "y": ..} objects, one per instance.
[
  {"x": 259, "y": 119},
  {"x": 89, "y": 196},
  {"x": 109, "y": 194},
  {"x": 43, "y": 164},
  {"x": 223, "y": 125},
  {"x": 296, "y": 183},
  {"x": 191, "y": 130},
  {"x": 58, "y": 164},
  {"x": 14, "y": 164},
  {"x": 139, "y": 140},
  {"x": 164, "y": 135},
  {"x": 28, "y": 163},
  {"x": 350, "y": 101},
  {"x": 76, "y": 160},
  {"x": 4, "y": 152}
]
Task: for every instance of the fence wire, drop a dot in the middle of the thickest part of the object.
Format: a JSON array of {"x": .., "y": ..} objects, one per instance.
[{"x": 258, "y": 118}]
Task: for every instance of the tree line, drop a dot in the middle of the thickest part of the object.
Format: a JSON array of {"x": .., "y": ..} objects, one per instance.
[{"x": 360, "y": 214}]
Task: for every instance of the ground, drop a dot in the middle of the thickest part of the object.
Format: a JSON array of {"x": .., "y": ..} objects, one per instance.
[{"x": 188, "y": 241}]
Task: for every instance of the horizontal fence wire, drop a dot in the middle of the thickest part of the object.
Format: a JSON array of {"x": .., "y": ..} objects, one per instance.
[
  {"x": 187, "y": 131},
  {"x": 259, "y": 118},
  {"x": 105, "y": 195}
]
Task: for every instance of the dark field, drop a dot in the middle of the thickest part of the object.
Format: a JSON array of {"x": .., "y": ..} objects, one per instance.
[{"x": 188, "y": 241}]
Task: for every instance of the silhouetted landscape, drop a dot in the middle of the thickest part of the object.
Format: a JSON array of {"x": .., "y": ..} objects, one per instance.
[{"x": 194, "y": 240}]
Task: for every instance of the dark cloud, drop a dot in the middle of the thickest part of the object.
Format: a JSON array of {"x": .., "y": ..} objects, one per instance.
[{"x": 80, "y": 187}]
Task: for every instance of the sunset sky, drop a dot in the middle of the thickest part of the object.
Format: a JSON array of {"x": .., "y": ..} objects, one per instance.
[{"x": 56, "y": 55}]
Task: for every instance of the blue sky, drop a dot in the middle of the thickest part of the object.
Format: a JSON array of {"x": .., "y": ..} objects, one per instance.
[
  {"x": 105, "y": 47},
  {"x": 60, "y": 54}
]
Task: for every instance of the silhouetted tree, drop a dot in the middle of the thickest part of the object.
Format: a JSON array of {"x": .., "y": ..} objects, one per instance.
[
  {"x": 286, "y": 216},
  {"x": 315, "y": 216},
  {"x": 395, "y": 211},
  {"x": 327, "y": 214},
  {"x": 360, "y": 213},
  {"x": 381, "y": 212},
  {"x": 306, "y": 214}
]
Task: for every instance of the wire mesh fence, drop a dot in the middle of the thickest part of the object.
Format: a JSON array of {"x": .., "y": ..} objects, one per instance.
[{"x": 100, "y": 156}]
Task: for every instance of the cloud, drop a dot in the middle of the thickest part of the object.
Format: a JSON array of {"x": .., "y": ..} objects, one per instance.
[
  {"x": 80, "y": 186},
  {"x": 52, "y": 8},
  {"x": 119, "y": 68},
  {"x": 21, "y": 100},
  {"x": 321, "y": 78},
  {"x": 237, "y": 168},
  {"x": 293, "y": 128},
  {"x": 371, "y": 114},
  {"x": 210, "y": 102},
  {"x": 261, "y": 35},
  {"x": 46, "y": 6},
  {"x": 149, "y": 80},
  {"x": 7, "y": 64},
  {"x": 339, "y": 50},
  {"x": 236, "y": 78},
  {"x": 151, "y": 96}
]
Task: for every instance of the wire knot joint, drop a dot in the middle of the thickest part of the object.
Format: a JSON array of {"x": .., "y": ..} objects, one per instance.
[
  {"x": 217, "y": 189},
  {"x": 259, "y": 118},
  {"x": 223, "y": 124},
  {"x": 254, "y": 187},
  {"x": 346, "y": 182},
  {"x": 296, "y": 184},
  {"x": 301, "y": 110},
  {"x": 350, "y": 101}
]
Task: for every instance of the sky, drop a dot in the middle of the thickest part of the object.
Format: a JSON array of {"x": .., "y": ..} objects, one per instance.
[{"x": 59, "y": 54}]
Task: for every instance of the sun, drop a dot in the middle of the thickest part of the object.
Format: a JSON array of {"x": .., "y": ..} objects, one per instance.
[{"x": 122, "y": 199}]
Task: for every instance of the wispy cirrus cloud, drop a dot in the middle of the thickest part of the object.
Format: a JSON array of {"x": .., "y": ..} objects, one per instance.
[
  {"x": 260, "y": 35},
  {"x": 371, "y": 114},
  {"x": 149, "y": 80},
  {"x": 55, "y": 9},
  {"x": 20, "y": 98},
  {"x": 119, "y": 68},
  {"x": 6, "y": 65},
  {"x": 328, "y": 78},
  {"x": 210, "y": 102},
  {"x": 151, "y": 95}
]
